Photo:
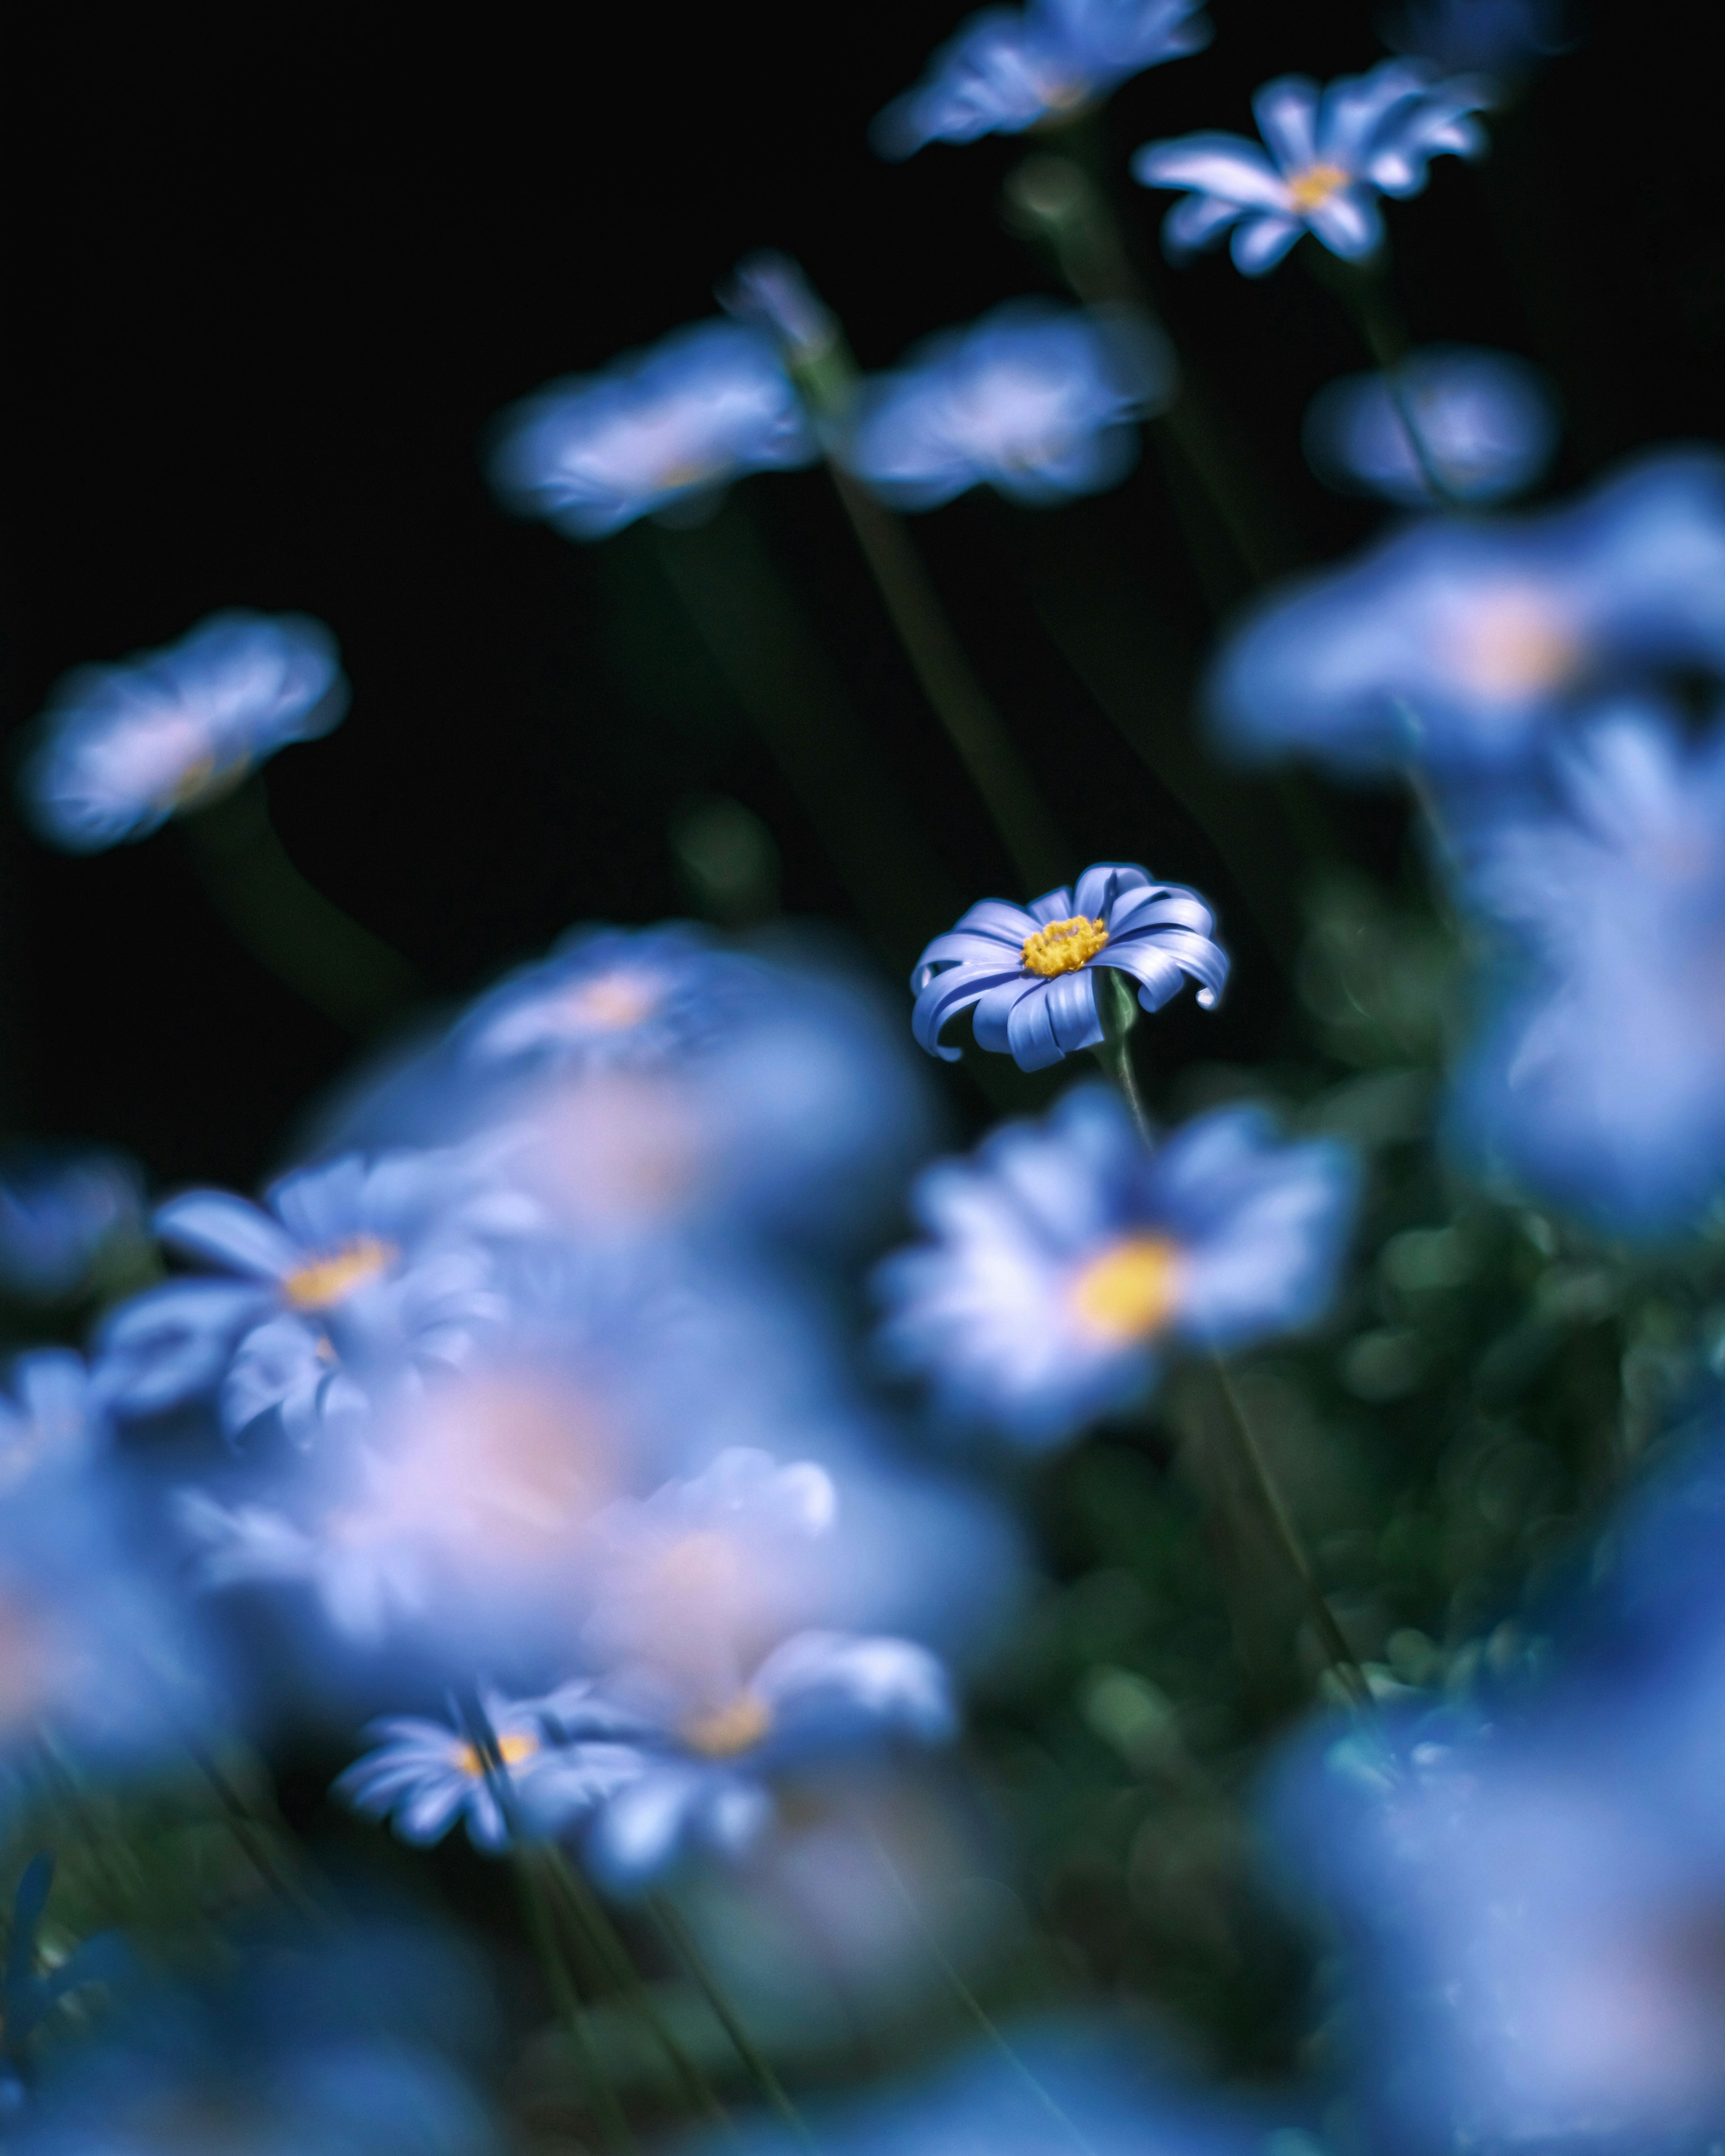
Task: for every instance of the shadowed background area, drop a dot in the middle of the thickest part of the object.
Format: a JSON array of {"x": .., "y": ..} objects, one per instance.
[{"x": 271, "y": 282}]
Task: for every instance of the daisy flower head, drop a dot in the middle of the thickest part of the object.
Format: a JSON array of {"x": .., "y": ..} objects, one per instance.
[
  {"x": 1486, "y": 423},
  {"x": 658, "y": 432},
  {"x": 1029, "y": 973},
  {"x": 1326, "y": 155},
  {"x": 1008, "y": 69},
  {"x": 65, "y": 1216},
  {"x": 1036, "y": 401},
  {"x": 122, "y": 748},
  {"x": 1064, "y": 1261},
  {"x": 704, "y": 1758},
  {"x": 360, "y": 1267}
]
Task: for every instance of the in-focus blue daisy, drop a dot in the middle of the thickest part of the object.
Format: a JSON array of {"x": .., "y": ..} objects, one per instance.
[
  {"x": 1030, "y": 972},
  {"x": 704, "y": 1760},
  {"x": 1009, "y": 70},
  {"x": 1036, "y": 401},
  {"x": 1066, "y": 1260},
  {"x": 663, "y": 429},
  {"x": 426, "y": 1776},
  {"x": 1598, "y": 1079},
  {"x": 63, "y": 1213},
  {"x": 124, "y": 747},
  {"x": 363, "y": 1267},
  {"x": 1331, "y": 152},
  {"x": 1487, "y": 421},
  {"x": 607, "y": 996},
  {"x": 1458, "y": 645}
]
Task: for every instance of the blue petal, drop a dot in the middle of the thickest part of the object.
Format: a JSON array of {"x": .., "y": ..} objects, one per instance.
[
  {"x": 213, "y": 1223},
  {"x": 990, "y": 1020},
  {"x": 944, "y": 998}
]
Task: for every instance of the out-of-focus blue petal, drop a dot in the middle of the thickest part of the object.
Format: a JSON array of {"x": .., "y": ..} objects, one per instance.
[
  {"x": 170, "y": 1344},
  {"x": 211, "y": 1223},
  {"x": 1487, "y": 422}
]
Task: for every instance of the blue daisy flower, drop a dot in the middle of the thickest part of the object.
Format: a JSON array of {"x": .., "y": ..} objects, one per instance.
[
  {"x": 1487, "y": 422},
  {"x": 1036, "y": 401},
  {"x": 702, "y": 1761},
  {"x": 665, "y": 429},
  {"x": 1008, "y": 70},
  {"x": 63, "y": 1213},
  {"x": 354, "y": 1270},
  {"x": 1066, "y": 1260},
  {"x": 1331, "y": 152},
  {"x": 1598, "y": 1076},
  {"x": 1030, "y": 971},
  {"x": 1458, "y": 645},
  {"x": 124, "y": 747}
]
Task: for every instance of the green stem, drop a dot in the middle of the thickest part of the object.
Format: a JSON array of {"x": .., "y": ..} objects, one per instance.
[
  {"x": 1370, "y": 304},
  {"x": 245, "y": 1829},
  {"x": 759, "y": 2068},
  {"x": 972, "y": 723},
  {"x": 601, "y": 1938},
  {"x": 341, "y": 969},
  {"x": 1118, "y": 1008},
  {"x": 607, "y": 2106},
  {"x": 1281, "y": 1522},
  {"x": 968, "y": 2000}
]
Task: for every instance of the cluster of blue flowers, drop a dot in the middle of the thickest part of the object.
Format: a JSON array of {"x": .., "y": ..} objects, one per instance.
[{"x": 517, "y": 1441}]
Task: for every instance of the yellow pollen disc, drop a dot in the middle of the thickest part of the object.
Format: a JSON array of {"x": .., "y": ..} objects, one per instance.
[
  {"x": 511, "y": 1750},
  {"x": 327, "y": 1282},
  {"x": 1064, "y": 946},
  {"x": 614, "y": 1002},
  {"x": 1313, "y": 189},
  {"x": 1515, "y": 643},
  {"x": 687, "y": 474},
  {"x": 726, "y": 1730},
  {"x": 1129, "y": 1292}
]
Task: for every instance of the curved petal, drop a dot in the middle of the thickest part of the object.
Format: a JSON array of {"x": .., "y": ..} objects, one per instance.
[
  {"x": 996, "y": 916},
  {"x": 1052, "y": 905},
  {"x": 213, "y": 1223},
  {"x": 944, "y": 998},
  {"x": 990, "y": 1018},
  {"x": 961, "y": 946},
  {"x": 1226, "y": 166},
  {"x": 1072, "y": 1011},
  {"x": 1162, "y": 905},
  {"x": 173, "y": 1343},
  {"x": 1196, "y": 222},
  {"x": 1349, "y": 224},
  {"x": 1286, "y": 110},
  {"x": 1104, "y": 885},
  {"x": 639, "y": 1831},
  {"x": 1161, "y": 964},
  {"x": 1260, "y": 242}
]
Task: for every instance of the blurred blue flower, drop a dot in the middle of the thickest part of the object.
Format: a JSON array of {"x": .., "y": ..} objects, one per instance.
[
  {"x": 679, "y": 1767},
  {"x": 1332, "y": 152},
  {"x": 1034, "y": 400},
  {"x": 1067, "y": 1259},
  {"x": 1006, "y": 71},
  {"x": 28, "y": 1994},
  {"x": 616, "y": 996},
  {"x": 1486, "y": 420},
  {"x": 123, "y": 748},
  {"x": 61, "y": 1212},
  {"x": 1597, "y": 1080},
  {"x": 361, "y": 1268},
  {"x": 1030, "y": 971},
  {"x": 353, "y": 2050},
  {"x": 425, "y": 1776},
  {"x": 1502, "y": 38},
  {"x": 664, "y": 429},
  {"x": 1457, "y": 644},
  {"x": 47, "y": 1420}
]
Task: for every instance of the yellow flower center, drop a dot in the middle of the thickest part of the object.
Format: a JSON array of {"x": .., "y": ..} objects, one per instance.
[
  {"x": 511, "y": 1750},
  {"x": 614, "y": 1002},
  {"x": 323, "y": 1282},
  {"x": 1311, "y": 189},
  {"x": 1064, "y": 946},
  {"x": 1516, "y": 643},
  {"x": 689, "y": 474},
  {"x": 723, "y": 1732},
  {"x": 1129, "y": 1292}
]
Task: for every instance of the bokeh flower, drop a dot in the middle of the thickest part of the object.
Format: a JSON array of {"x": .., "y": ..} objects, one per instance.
[
  {"x": 662, "y": 430},
  {"x": 1486, "y": 423},
  {"x": 65, "y": 1214},
  {"x": 1597, "y": 1078},
  {"x": 124, "y": 747},
  {"x": 1009, "y": 70},
  {"x": 1459, "y": 645},
  {"x": 363, "y": 1267},
  {"x": 1036, "y": 401},
  {"x": 1030, "y": 971},
  {"x": 1500, "y": 38},
  {"x": 705, "y": 1758},
  {"x": 1331, "y": 152},
  {"x": 1065, "y": 1260}
]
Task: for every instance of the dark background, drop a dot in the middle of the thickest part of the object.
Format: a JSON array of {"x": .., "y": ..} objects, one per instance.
[{"x": 271, "y": 278}]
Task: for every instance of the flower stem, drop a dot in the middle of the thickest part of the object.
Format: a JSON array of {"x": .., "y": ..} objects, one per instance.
[
  {"x": 1117, "y": 1007},
  {"x": 607, "y": 2105},
  {"x": 972, "y": 723},
  {"x": 585, "y": 1912},
  {"x": 1337, "y": 1650},
  {"x": 759, "y": 2067},
  {"x": 989, "y": 2028},
  {"x": 1370, "y": 304}
]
